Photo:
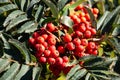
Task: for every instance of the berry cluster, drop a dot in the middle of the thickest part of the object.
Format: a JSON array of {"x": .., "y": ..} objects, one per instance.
[{"x": 49, "y": 50}]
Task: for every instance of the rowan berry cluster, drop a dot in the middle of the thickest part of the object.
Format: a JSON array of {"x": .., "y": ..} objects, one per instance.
[{"x": 78, "y": 43}]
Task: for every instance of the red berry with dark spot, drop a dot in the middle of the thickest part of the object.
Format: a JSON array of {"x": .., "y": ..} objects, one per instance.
[
  {"x": 61, "y": 49},
  {"x": 40, "y": 40},
  {"x": 84, "y": 42}
]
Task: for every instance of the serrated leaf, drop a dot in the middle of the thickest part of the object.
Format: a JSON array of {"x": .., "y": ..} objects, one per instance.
[
  {"x": 103, "y": 77},
  {"x": 11, "y": 16},
  {"x": 11, "y": 72},
  {"x": 92, "y": 18},
  {"x": 102, "y": 19},
  {"x": 72, "y": 72},
  {"x": 16, "y": 21},
  {"x": 3, "y": 64},
  {"x": 39, "y": 13},
  {"x": 25, "y": 26},
  {"x": 22, "y": 48},
  {"x": 53, "y": 8},
  {"x": 79, "y": 74},
  {"x": 67, "y": 21},
  {"x": 36, "y": 73},
  {"x": 106, "y": 28},
  {"x": 61, "y": 4},
  {"x": 7, "y": 8},
  {"x": 87, "y": 76},
  {"x": 23, "y": 70}
]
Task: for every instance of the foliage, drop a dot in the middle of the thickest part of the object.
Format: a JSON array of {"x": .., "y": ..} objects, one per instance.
[{"x": 20, "y": 18}]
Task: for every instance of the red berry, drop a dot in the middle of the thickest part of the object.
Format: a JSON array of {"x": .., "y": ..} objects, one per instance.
[
  {"x": 61, "y": 49},
  {"x": 84, "y": 42},
  {"x": 82, "y": 28},
  {"x": 32, "y": 42},
  {"x": 45, "y": 36},
  {"x": 67, "y": 38},
  {"x": 55, "y": 54},
  {"x": 76, "y": 41},
  {"x": 81, "y": 54},
  {"x": 45, "y": 44},
  {"x": 87, "y": 17},
  {"x": 52, "y": 48},
  {"x": 59, "y": 61},
  {"x": 87, "y": 34},
  {"x": 50, "y": 27},
  {"x": 78, "y": 33},
  {"x": 65, "y": 59},
  {"x": 39, "y": 47},
  {"x": 93, "y": 31},
  {"x": 40, "y": 40},
  {"x": 47, "y": 53},
  {"x": 51, "y": 60},
  {"x": 79, "y": 7},
  {"x": 42, "y": 59},
  {"x": 95, "y": 10},
  {"x": 35, "y": 35},
  {"x": 95, "y": 52},
  {"x": 70, "y": 46},
  {"x": 80, "y": 48},
  {"x": 51, "y": 41},
  {"x": 91, "y": 45},
  {"x": 83, "y": 19}
]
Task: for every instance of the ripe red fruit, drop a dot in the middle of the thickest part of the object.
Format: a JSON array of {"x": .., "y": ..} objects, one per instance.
[
  {"x": 51, "y": 41},
  {"x": 84, "y": 42},
  {"x": 80, "y": 48},
  {"x": 45, "y": 36},
  {"x": 82, "y": 28},
  {"x": 87, "y": 34},
  {"x": 40, "y": 40},
  {"x": 45, "y": 44},
  {"x": 55, "y": 54},
  {"x": 87, "y": 17},
  {"x": 67, "y": 37},
  {"x": 65, "y": 59},
  {"x": 83, "y": 19},
  {"x": 51, "y": 60},
  {"x": 42, "y": 59},
  {"x": 95, "y": 11},
  {"x": 78, "y": 33},
  {"x": 59, "y": 61},
  {"x": 93, "y": 31},
  {"x": 95, "y": 52},
  {"x": 39, "y": 47},
  {"x": 76, "y": 41},
  {"x": 50, "y": 27},
  {"x": 61, "y": 49},
  {"x": 52, "y": 48},
  {"x": 70, "y": 46},
  {"x": 47, "y": 53},
  {"x": 35, "y": 34},
  {"x": 79, "y": 7},
  {"x": 91, "y": 45},
  {"x": 31, "y": 42}
]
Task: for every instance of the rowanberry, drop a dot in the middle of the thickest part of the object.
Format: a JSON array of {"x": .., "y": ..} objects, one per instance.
[
  {"x": 59, "y": 61},
  {"x": 67, "y": 37},
  {"x": 61, "y": 49},
  {"x": 42, "y": 59},
  {"x": 51, "y": 60},
  {"x": 39, "y": 47},
  {"x": 50, "y": 27},
  {"x": 87, "y": 34},
  {"x": 70, "y": 46},
  {"x": 47, "y": 53},
  {"x": 91, "y": 45},
  {"x": 84, "y": 42},
  {"x": 76, "y": 41},
  {"x": 40, "y": 39}
]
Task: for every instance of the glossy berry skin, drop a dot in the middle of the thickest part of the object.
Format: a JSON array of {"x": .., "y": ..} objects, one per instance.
[
  {"x": 52, "y": 48},
  {"x": 32, "y": 42},
  {"x": 70, "y": 46},
  {"x": 65, "y": 59},
  {"x": 93, "y": 31},
  {"x": 45, "y": 36},
  {"x": 67, "y": 38},
  {"x": 42, "y": 60},
  {"x": 51, "y": 41},
  {"x": 61, "y": 49},
  {"x": 91, "y": 45},
  {"x": 50, "y": 27},
  {"x": 51, "y": 60},
  {"x": 39, "y": 47},
  {"x": 35, "y": 35},
  {"x": 59, "y": 61},
  {"x": 76, "y": 41},
  {"x": 47, "y": 53},
  {"x": 82, "y": 28},
  {"x": 84, "y": 42},
  {"x": 80, "y": 48},
  {"x": 87, "y": 34},
  {"x": 55, "y": 54},
  {"x": 40, "y": 40}
]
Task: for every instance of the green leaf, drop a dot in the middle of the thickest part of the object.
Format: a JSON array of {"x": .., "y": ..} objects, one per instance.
[
  {"x": 36, "y": 73},
  {"x": 116, "y": 31},
  {"x": 31, "y": 28},
  {"x": 67, "y": 21},
  {"x": 24, "y": 4},
  {"x": 39, "y": 13},
  {"x": 7, "y": 7},
  {"x": 53, "y": 8},
  {"x": 92, "y": 18},
  {"x": 107, "y": 25},
  {"x": 30, "y": 7},
  {"x": 87, "y": 76},
  {"x": 115, "y": 43},
  {"x": 12, "y": 16},
  {"x": 3, "y": 64},
  {"x": 4, "y": 1},
  {"x": 102, "y": 19},
  {"x": 72, "y": 72},
  {"x": 11, "y": 72},
  {"x": 16, "y": 21},
  {"x": 79, "y": 74},
  {"x": 25, "y": 26},
  {"x": 24, "y": 69},
  {"x": 100, "y": 51},
  {"x": 102, "y": 77},
  {"x": 61, "y": 4},
  {"x": 87, "y": 58},
  {"x": 22, "y": 48}
]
